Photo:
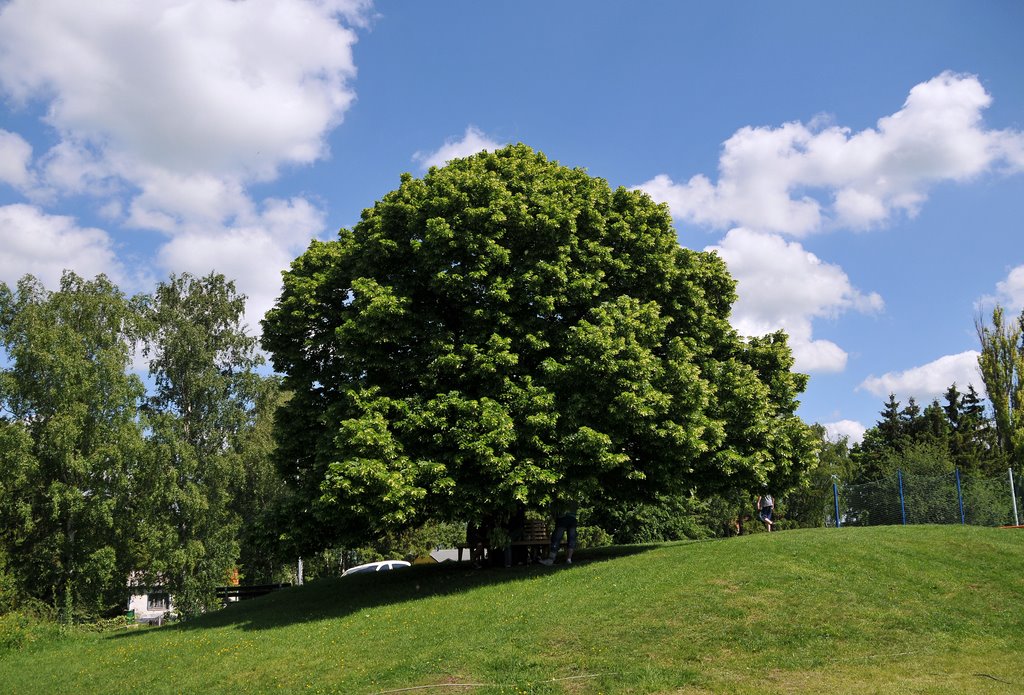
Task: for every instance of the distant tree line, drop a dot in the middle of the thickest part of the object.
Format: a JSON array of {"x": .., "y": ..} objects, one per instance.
[{"x": 957, "y": 432}]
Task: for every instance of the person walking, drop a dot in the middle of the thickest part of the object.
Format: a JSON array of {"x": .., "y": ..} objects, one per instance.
[
  {"x": 765, "y": 507},
  {"x": 564, "y": 512}
]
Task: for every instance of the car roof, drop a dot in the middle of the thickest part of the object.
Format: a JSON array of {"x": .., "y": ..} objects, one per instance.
[{"x": 376, "y": 566}]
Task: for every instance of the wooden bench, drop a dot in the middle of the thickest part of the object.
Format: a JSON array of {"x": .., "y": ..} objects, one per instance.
[{"x": 536, "y": 538}]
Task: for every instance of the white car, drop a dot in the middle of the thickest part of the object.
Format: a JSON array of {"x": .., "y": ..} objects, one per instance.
[{"x": 381, "y": 566}]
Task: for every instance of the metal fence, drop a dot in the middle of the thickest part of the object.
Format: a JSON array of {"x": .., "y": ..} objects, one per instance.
[{"x": 906, "y": 498}]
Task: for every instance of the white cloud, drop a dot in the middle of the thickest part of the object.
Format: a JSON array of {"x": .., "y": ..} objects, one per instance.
[
  {"x": 187, "y": 101},
  {"x": 930, "y": 380},
  {"x": 817, "y": 356},
  {"x": 783, "y": 286},
  {"x": 293, "y": 222},
  {"x": 1011, "y": 144},
  {"x": 767, "y": 175},
  {"x": 1009, "y": 292},
  {"x": 15, "y": 156},
  {"x": 169, "y": 200},
  {"x": 473, "y": 141},
  {"x": 73, "y": 167},
  {"x": 851, "y": 429},
  {"x": 32, "y": 242},
  {"x": 215, "y": 85},
  {"x": 253, "y": 254},
  {"x": 166, "y": 112}
]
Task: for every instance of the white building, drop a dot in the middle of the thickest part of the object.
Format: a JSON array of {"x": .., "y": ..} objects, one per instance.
[{"x": 151, "y": 605}]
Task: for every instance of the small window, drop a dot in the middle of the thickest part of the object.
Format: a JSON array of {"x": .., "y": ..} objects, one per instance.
[{"x": 158, "y": 602}]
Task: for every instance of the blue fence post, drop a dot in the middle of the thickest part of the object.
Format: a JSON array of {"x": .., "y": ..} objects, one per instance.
[
  {"x": 960, "y": 496},
  {"x": 835, "y": 496},
  {"x": 903, "y": 506}
]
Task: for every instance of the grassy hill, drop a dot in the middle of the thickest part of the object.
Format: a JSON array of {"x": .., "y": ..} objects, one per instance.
[{"x": 924, "y": 609}]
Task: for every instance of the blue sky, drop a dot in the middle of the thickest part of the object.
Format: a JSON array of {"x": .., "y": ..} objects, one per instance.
[{"x": 860, "y": 166}]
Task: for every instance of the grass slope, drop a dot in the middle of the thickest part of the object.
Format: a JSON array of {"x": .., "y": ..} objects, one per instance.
[{"x": 874, "y": 610}]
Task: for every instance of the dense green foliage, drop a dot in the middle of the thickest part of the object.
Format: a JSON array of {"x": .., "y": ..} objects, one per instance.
[
  {"x": 201, "y": 417},
  {"x": 940, "y": 464},
  {"x": 105, "y": 487},
  {"x": 926, "y": 609},
  {"x": 485, "y": 338},
  {"x": 1002, "y": 367},
  {"x": 506, "y": 328},
  {"x": 102, "y": 485},
  {"x": 70, "y": 442}
]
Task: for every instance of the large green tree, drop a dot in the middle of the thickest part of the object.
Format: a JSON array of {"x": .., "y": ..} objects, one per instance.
[
  {"x": 70, "y": 440},
  {"x": 507, "y": 327}
]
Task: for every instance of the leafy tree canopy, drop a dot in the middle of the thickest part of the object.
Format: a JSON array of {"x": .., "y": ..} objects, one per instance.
[
  {"x": 69, "y": 438},
  {"x": 102, "y": 485},
  {"x": 1001, "y": 363},
  {"x": 507, "y": 327},
  {"x": 204, "y": 455}
]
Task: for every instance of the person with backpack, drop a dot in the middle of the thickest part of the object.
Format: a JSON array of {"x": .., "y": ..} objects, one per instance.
[{"x": 765, "y": 507}]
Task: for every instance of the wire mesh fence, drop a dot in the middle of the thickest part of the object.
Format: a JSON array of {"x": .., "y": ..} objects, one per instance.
[{"x": 907, "y": 498}]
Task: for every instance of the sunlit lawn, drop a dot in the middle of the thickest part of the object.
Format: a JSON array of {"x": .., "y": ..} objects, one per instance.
[{"x": 891, "y": 609}]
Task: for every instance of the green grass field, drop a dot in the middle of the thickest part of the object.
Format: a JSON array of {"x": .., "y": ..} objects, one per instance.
[{"x": 920, "y": 609}]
